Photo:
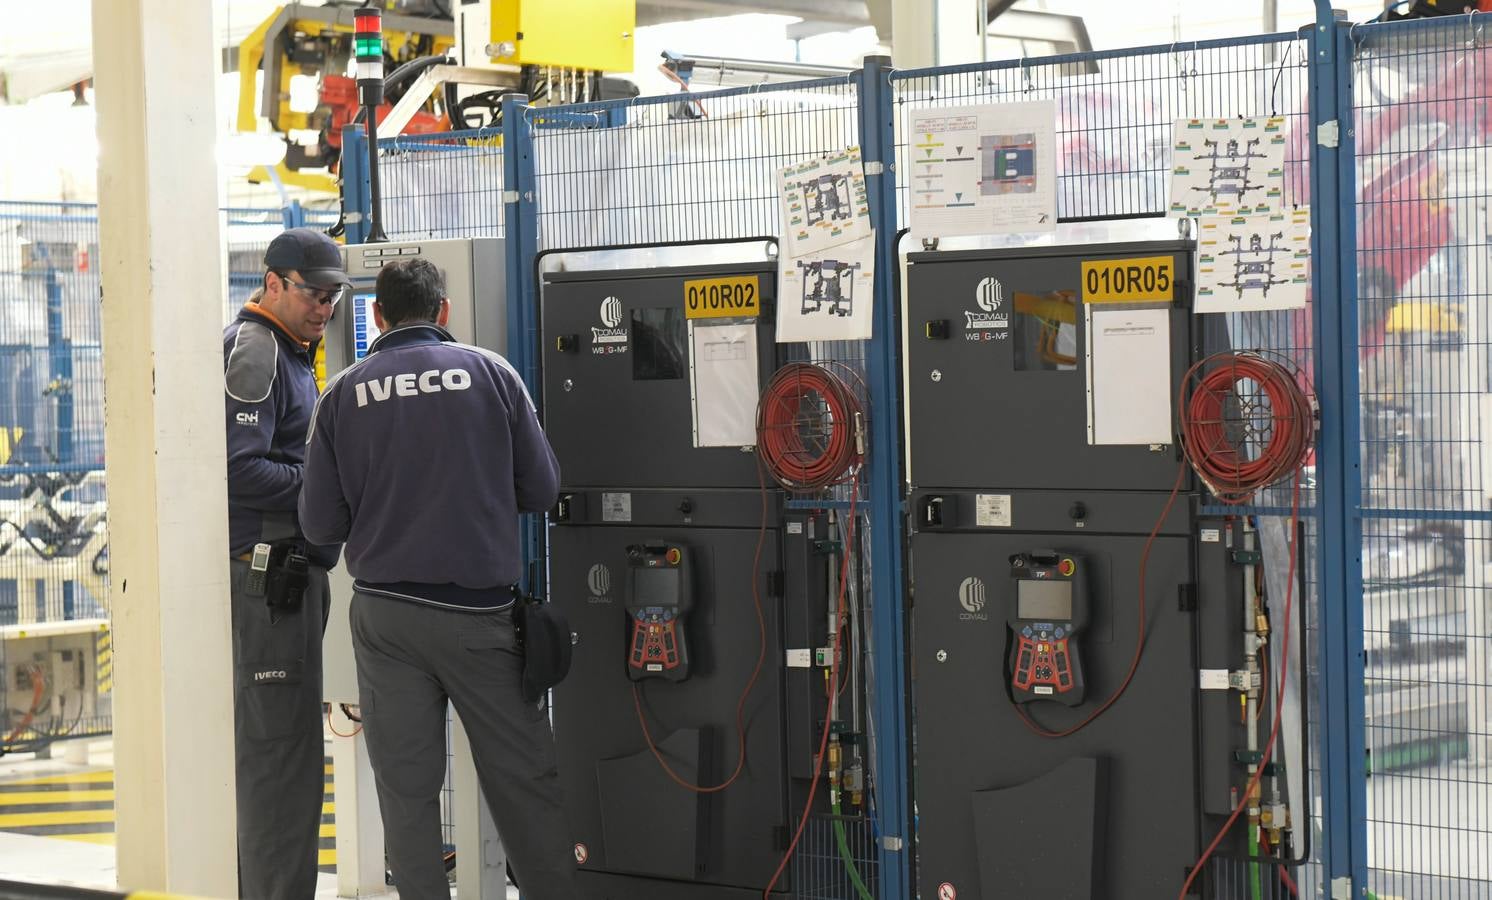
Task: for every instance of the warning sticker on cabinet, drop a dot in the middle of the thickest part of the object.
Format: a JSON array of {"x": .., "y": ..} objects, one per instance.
[
  {"x": 616, "y": 507},
  {"x": 992, "y": 510}
]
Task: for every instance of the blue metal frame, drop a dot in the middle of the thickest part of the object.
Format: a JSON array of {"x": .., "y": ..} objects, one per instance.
[
  {"x": 60, "y": 354},
  {"x": 883, "y": 370},
  {"x": 357, "y": 195},
  {"x": 521, "y": 248},
  {"x": 1334, "y": 288},
  {"x": 294, "y": 214}
]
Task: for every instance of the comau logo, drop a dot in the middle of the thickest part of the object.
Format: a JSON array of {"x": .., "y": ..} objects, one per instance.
[
  {"x": 609, "y": 334},
  {"x": 598, "y": 579},
  {"x": 971, "y": 598},
  {"x": 989, "y": 295},
  {"x": 980, "y": 324},
  {"x": 611, "y": 312}
]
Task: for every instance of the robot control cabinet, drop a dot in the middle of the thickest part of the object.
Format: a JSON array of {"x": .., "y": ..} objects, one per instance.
[
  {"x": 474, "y": 272},
  {"x": 1032, "y": 508},
  {"x": 661, "y": 554}
]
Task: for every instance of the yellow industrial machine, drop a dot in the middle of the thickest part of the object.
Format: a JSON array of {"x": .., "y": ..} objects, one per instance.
[
  {"x": 443, "y": 72},
  {"x": 579, "y": 35}
]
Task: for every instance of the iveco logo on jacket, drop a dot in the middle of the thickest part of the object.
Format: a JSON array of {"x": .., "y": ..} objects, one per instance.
[{"x": 407, "y": 384}]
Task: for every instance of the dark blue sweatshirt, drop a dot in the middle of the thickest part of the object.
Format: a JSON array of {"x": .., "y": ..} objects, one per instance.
[
  {"x": 270, "y": 386},
  {"x": 421, "y": 457}
]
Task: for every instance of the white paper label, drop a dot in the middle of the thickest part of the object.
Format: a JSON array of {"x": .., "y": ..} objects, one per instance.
[
  {"x": 795, "y": 528},
  {"x": 1211, "y": 535},
  {"x": 616, "y": 507},
  {"x": 992, "y": 510},
  {"x": 1214, "y": 679}
]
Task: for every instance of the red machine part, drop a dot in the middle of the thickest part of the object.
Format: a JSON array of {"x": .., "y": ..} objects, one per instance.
[{"x": 339, "y": 95}]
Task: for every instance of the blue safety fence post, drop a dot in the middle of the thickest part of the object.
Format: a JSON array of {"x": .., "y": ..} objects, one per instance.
[
  {"x": 294, "y": 214},
  {"x": 60, "y": 353},
  {"x": 521, "y": 247},
  {"x": 883, "y": 369},
  {"x": 357, "y": 196},
  {"x": 1334, "y": 291}
]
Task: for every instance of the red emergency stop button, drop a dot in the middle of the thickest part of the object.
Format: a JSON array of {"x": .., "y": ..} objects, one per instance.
[
  {"x": 1067, "y": 567},
  {"x": 673, "y": 556}
]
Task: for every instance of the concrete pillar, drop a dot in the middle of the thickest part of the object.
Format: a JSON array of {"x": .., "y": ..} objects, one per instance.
[
  {"x": 936, "y": 33},
  {"x": 163, "y": 390},
  {"x": 360, "y": 854},
  {"x": 481, "y": 863}
]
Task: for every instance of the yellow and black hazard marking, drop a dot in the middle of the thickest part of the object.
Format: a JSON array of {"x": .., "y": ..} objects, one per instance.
[
  {"x": 103, "y": 649},
  {"x": 80, "y": 807}
]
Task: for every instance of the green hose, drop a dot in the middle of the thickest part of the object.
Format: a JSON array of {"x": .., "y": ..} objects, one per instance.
[
  {"x": 1255, "y": 889},
  {"x": 844, "y": 853}
]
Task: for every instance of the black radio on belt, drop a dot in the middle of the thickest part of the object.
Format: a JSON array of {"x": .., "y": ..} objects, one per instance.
[
  {"x": 658, "y": 598},
  {"x": 280, "y": 573},
  {"x": 1049, "y": 611}
]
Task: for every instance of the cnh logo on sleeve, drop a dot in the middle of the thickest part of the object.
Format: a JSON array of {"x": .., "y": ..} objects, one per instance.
[{"x": 247, "y": 418}]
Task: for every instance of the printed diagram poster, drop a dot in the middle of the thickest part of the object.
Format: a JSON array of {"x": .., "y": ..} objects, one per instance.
[
  {"x": 824, "y": 203},
  {"x": 827, "y": 296},
  {"x": 1227, "y": 166},
  {"x": 1247, "y": 263},
  {"x": 987, "y": 169}
]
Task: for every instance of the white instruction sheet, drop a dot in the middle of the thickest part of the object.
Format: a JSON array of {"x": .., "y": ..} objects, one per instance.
[
  {"x": 723, "y": 384},
  {"x": 827, "y": 296},
  {"x": 1129, "y": 375},
  {"x": 987, "y": 169},
  {"x": 1249, "y": 263},
  {"x": 1227, "y": 166},
  {"x": 824, "y": 203}
]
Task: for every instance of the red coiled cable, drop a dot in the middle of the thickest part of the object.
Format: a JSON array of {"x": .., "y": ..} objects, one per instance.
[
  {"x": 809, "y": 428},
  {"x": 1246, "y": 423}
]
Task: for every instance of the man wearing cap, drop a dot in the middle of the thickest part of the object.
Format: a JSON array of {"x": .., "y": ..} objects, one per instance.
[
  {"x": 422, "y": 457},
  {"x": 278, "y": 580}
]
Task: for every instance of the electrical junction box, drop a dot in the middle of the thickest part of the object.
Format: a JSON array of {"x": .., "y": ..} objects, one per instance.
[
  {"x": 595, "y": 35},
  {"x": 624, "y": 358},
  {"x": 473, "y": 269},
  {"x": 1005, "y": 468}
]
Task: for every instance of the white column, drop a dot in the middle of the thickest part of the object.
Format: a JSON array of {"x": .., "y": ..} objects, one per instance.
[
  {"x": 360, "y": 861},
  {"x": 936, "y": 33},
  {"x": 163, "y": 388},
  {"x": 481, "y": 864}
]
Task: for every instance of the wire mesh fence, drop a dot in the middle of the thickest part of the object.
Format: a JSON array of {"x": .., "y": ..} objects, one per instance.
[
  {"x": 836, "y": 860},
  {"x": 442, "y": 185},
  {"x": 52, "y": 555},
  {"x": 54, "y": 561},
  {"x": 1423, "y": 129},
  {"x": 681, "y": 171}
]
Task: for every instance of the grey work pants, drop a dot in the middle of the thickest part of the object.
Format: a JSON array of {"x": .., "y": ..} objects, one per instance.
[
  {"x": 278, "y": 739},
  {"x": 412, "y": 658}
]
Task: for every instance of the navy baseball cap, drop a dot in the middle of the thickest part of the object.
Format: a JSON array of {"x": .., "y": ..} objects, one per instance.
[{"x": 311, "y": 253}]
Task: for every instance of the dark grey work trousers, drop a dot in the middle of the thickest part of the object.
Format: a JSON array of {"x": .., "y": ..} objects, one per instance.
[
  {"x": 410, "y": 660},
  {"x": 278, "y": 739}
]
